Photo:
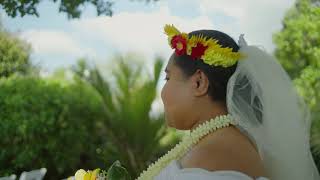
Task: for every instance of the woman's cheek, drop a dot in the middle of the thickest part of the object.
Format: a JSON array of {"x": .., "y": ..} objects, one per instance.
[{"x": 167, "y": 98}]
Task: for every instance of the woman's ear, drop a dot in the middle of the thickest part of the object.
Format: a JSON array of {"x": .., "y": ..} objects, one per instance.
[{"x": 200, "y": 83}]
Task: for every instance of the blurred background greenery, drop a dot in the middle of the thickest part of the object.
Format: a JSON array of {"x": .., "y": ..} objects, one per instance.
[{"x": 87, "y": 117}]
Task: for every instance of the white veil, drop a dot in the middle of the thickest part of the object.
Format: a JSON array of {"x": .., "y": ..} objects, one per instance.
[{"x": 266, "y": 106}]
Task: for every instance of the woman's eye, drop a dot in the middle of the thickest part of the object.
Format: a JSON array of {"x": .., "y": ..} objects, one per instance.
[{"x": 166, "y": 79}]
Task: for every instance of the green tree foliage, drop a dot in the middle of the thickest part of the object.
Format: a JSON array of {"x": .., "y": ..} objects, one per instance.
[
  {"x": 132, "y": 135},
  {"x": 298, "y": 50},
  {"x": 14, "y": 54},
  {"x": 45, "y": 123},
  {"x": 298, "y": 43},
  {"x": 72, "y": 8}
]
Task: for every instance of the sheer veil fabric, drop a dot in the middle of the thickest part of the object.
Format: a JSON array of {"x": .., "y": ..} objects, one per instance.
[{"x": 262, "y": 99}]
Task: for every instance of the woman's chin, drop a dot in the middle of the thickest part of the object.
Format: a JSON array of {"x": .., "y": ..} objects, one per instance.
[
  {"x": 169, "y": 123},
  {"x": 173, "y": 124}
]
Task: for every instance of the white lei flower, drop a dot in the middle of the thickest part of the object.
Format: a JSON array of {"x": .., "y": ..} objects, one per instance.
[{"x": 187, "y": 142}]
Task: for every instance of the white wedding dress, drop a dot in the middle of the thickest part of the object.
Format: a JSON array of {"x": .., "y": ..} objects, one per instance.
[{"x": 173, "y": 171}]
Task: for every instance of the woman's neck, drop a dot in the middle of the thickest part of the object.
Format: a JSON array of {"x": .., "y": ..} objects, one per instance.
[{"x": 212, "y": 110}]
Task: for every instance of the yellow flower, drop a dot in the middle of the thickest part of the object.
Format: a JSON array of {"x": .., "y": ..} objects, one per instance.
[
  {"x": 221, "y": 56},
  {"x": 91, "y": 175},
  {"x": 80, "y": 174},
  {"x": 171, "y": 31},
  {"x": 86, "y": 175}
]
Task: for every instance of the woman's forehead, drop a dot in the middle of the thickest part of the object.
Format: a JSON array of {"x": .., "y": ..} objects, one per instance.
[{"x": 170, "y": 64}]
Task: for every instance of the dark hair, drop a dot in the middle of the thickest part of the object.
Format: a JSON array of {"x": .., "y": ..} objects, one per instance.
[{"x": 218, "y": 76}]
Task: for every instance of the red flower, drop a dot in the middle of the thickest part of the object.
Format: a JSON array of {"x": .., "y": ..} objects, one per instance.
[
  {"x": 179, "y": 43},
  {"x": 198, "y": 51}
]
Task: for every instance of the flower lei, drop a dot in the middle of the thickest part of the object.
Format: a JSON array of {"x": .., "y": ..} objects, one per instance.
[
  {"x": 187, "y": 142},
  {"x": 199, "y": 47}
]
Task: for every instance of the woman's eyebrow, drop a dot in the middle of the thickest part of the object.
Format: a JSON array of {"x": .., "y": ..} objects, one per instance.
[{"x": 166, "y": 70}]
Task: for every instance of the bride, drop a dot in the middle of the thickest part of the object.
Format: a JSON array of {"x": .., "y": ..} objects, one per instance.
[{"x": 244, "y": 118}]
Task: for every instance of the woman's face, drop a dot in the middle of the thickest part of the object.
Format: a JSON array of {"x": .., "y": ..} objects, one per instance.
[{"x": 177, "y": 97}]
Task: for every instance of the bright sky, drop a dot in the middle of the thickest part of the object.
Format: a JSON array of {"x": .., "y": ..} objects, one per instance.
[{"x": 138, "y": 27}]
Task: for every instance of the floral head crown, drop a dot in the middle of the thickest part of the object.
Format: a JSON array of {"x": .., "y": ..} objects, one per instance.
[{"x": 200, "y": 47}]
